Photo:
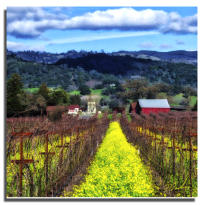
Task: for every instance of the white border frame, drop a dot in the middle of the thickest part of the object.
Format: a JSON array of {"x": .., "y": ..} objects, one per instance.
[{"x": 109, "y": 3}]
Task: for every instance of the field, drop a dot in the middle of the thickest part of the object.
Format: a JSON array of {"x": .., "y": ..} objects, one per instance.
[
  {"x": 93, "y": 92},
  {"x": 125, "y": 156},
  {"x": 177, "y": 99},
  {"x": 74, "y": 92},
  {"x": 171, "y": 150},
  {"x": 32, "y": 90},
  {"x": 41, "y": 154},
  {"x": 117, "y": 170}
]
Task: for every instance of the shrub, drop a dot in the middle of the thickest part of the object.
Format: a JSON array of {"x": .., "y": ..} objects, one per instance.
[{"x": 55, "y": 115}]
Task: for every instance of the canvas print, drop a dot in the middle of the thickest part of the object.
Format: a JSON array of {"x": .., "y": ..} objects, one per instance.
[{"x": 101, "y": 102}]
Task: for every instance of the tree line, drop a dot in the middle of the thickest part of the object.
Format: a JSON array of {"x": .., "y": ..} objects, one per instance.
[{"x": 20, "y": 102}]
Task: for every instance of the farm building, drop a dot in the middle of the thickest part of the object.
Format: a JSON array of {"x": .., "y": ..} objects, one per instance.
[
  {"x": 91, "y": 107},
  {"x": 51, "y": 109},
  {"x": 73, "y": 109},
  {"x": 147, "y": 106}
]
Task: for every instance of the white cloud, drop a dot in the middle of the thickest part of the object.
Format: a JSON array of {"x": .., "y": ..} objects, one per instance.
[
  {"x": 32, "y": 23},
  {"x": 98, "y": 37},
  {"x": 17, "y": 46}
]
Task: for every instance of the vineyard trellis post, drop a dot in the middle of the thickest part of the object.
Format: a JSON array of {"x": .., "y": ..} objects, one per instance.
[
  {"x": 174, "y": 152},
  {"x": 62, "y": 146},
  {"x": 21, "y": 162},
  {"x": 46, "y": 153}
]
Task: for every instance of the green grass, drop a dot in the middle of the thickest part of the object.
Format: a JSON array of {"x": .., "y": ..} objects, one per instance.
[
  {"x": 117, "y": 170},
  {"x": 178, "y": 98},
  {"x": 93, "y": 92},
  {"x": 31, "y": 90},
  {"x": 193, "y": 100},
  {"x": 96, "y": 91},
  {"x": 35, "y": 90},
  {"x": 74, "y": 92}
]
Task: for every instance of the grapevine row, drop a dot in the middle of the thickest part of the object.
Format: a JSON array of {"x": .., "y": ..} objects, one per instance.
[
  {"x": 43, "y": 156},
  {"x": 168, "y": 143}
]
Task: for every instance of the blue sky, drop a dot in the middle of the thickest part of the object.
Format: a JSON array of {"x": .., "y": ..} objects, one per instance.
[{"x": 59, "y": 29}]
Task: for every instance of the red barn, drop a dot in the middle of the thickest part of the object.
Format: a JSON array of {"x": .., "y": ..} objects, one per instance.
[{"x": 147, "y": 106}]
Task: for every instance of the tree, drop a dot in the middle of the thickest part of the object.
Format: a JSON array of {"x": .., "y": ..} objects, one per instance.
[
  {"x": 184, "y": 102},
  {"x": 44, "y": 91},
  {"x": 103, "y": 102},
  {"x": 176, "y": 89},
  {"x": 188, "y": 91},
  {"x": 84, "y": 90},
  {"x": 14, "y": 92},
  {"x": 59, "y": 97},
  {"x": 161, "y": 95},
  {"x": 113, "y": 103},
  {"x": 162, "y": 87},
  {"x": 99, "y": 86},
  {"x": 135, "y": 89},
  {"x": 109, "y": 79},
  {"x": 41, "y": 103},
  {"x": 35, "y": 104},
  {"x": 151, "y": 92},
  {"x": 109, "y": 91},
  {"x": 75, "y": 100}
]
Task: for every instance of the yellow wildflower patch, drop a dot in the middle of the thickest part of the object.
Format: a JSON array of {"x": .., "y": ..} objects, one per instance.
[{"x": 117, "y": 170}]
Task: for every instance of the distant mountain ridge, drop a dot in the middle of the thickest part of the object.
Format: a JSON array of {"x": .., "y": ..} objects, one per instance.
[
  {"x": 79, "y": 67},
  {"x": 179, "y": 56}
]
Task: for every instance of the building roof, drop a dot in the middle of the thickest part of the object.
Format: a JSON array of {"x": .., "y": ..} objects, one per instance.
[
  {"x": 153, "y": 103},
  {"x": 54, "y": 108},
  {"x": 72, "y": 107}
]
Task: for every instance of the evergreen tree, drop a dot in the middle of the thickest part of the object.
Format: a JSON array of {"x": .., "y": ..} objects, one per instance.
[
  {"x": 44, "y": 91},
  {"x": 14, "y": 93},
  {"x": 84, "y": 90}
]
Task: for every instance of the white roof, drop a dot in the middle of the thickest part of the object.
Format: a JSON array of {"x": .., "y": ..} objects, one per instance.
[{"x": 153, "y": 103}]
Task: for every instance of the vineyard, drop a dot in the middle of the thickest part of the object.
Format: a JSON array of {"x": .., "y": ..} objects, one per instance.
[
  {"x": 136, "y": 156},
  {"x": 117, "y": 170},
  {"x": 43, "y": 156},
  {"x": 168, "y": 143}
]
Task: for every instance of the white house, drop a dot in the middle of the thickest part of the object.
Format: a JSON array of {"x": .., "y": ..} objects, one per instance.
[{"x": 73, "y": 109}]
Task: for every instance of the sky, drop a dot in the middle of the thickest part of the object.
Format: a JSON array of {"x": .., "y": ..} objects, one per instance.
[{"x": 60, "y": 29}]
